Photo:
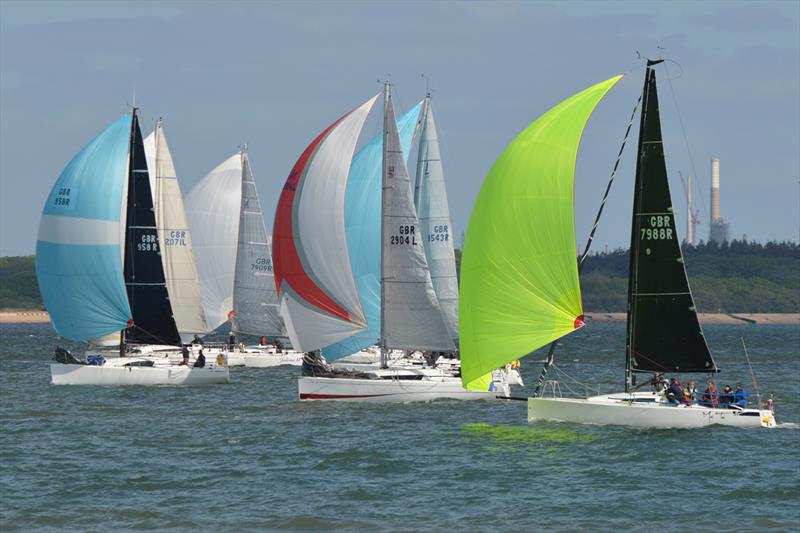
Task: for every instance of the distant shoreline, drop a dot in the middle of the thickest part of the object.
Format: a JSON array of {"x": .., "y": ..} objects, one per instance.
[
  {"x": 35, "y": 316},
  {"x": 715, "y": 318}
]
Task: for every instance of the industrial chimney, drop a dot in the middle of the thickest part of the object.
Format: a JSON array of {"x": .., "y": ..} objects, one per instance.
[
  {"x": 719, "y": 228},
  {"x": 715, "y": 190}
]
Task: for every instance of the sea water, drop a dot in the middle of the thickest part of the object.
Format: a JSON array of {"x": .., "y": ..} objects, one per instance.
[{"x": 250, "y": 456}]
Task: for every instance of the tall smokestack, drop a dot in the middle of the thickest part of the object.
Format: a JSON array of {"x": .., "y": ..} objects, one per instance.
[
  {"x": 689, "y": 225},
  {"x": 715, "y": 190}
]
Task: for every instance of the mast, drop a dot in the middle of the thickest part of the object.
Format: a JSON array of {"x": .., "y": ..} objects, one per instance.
[
  {"x": 386, "y": 103},
  {"x": 426, "y": 103},
  {"x": 633, "y": 270}
]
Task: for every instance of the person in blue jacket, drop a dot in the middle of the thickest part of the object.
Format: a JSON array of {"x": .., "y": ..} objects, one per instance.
[{"x": 739, "y": 396}]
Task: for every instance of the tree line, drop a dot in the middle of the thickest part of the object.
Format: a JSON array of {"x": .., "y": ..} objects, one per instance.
[{"x": 732, "y": 277}]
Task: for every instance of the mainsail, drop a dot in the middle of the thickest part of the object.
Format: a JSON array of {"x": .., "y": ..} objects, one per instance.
[
  {"x": 213, "y": 208},
  {"x": 153, "y": 321},
  {"x": 519, "y": 274},
  {"x": 255, "y": 302},
  {"x": 436, "y": 227},
  {"x": 79, "y": 245},
  {"x": 174, "y": 235},
  {"x": 664, "y": 333},
  {"x": 313, "y": 275},
  {"x": 362, "y": 213},
  {"x": 412, "y": 318}
]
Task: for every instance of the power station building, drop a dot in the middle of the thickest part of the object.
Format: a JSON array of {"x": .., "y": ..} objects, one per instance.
[{"x": 720, "y": 230}]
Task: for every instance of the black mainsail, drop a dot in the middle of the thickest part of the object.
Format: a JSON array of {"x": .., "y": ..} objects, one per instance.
[
  {"x": 664, "y": 333},
  {"x": 153, "y": 322}
]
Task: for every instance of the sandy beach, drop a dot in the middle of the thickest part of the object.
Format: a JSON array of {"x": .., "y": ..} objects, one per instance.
[
  {"x": 716, "y": 318},
  {"x": 23, "y": 316},
  {"x": 34, "y": 316}
]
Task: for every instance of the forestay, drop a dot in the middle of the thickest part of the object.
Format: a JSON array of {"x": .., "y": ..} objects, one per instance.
[
  {"x": 362, "y": 216},
  {"x": 412, "y": 318},
  {"x": 436, "y": 227},
  {"x": 664, "y": 333},
  {"x": 174, "y": 235},
  {"x": 313, "y": 274},
  {"x": 79, "y": 245},
  {"x": 213, "y": 209},
  {"x": 255, "y": 302},
  {"x": 519, "y": 275}
]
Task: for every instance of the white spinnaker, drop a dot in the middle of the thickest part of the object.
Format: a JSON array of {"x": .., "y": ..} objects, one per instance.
[
  {"x": 436, "y": 226},
  {"x": 255, "y": 301},
  {"x": 321, "y": 242},
  {"x": 412, "y": 318},
  {"x": 174, "y": 235},
  {"x": 213, "y": 208}
]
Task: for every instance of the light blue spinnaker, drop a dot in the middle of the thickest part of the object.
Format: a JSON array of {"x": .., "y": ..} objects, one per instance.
[
  {"x": 363, "y": 226},
  {"x": 78, "y": 251}
]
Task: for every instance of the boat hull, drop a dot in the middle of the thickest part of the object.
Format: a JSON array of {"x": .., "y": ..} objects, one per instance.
[
  {"x": 614, "y": 410},
  {"x": 267, "y": 360},
  {"x": 387, "y": 390},
  {"x": 66, "y": 374}
]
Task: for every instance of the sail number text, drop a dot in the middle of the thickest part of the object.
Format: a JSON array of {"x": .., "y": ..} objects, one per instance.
[
  {"x": 406, "y": 234},
  {"x": 263, "y": 265},
  {"x": 440, "y": 233},
  {"x": 65, "y": 197},
  {"x": 176, "y": 237},
  {"x": 148, "y": 242},
  {"x": 659, "y": 228}
]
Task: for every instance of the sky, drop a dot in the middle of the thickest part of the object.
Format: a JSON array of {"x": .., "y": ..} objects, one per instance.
[{"x": 274, "y": 75}]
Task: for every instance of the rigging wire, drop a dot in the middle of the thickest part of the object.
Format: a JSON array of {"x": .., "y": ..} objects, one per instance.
[{"x": 685, "y": 136}]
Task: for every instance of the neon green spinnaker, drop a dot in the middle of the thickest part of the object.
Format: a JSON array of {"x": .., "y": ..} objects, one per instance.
[{"x": 519, "y": 273}]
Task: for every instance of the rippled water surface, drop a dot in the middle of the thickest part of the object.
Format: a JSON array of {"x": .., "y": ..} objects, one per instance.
[{"x": 249, "y": 456}]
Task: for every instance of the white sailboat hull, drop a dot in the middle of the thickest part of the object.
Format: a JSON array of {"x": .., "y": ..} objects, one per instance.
[
  {"x": 643, "y": 410},
  {"x": 256, "y": 357},
  {"x": 68, "y": 374},
  {"x": 387, "y": 390}
]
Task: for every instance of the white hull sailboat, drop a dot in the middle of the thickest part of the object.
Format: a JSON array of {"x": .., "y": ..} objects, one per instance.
[
  {"x": 530, "y": 188},
  {"x": 643, "y": 410},
  {"x": 99, "y": 265},
  {"x": 130, "y": 371},
  {"x": 391, "y": 386},
  {"x": 236, "y": 270},
  {"x": 333, "y": 304}
]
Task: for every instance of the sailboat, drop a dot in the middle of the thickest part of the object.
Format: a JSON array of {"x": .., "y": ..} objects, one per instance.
[
  {"x": 319, "y": 314},
  {"x": 520, "y": 288},
  {"x": 235, "y": 261},
  {"x": 99, "y": 265},
  {"x": 436, "y": 227}
]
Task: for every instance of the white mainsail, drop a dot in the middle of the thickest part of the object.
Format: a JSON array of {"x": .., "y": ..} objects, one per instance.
[
  {"x": 213, "y": 207},
  {"x": 436, "y": 227},
  {"x": 174, "y": 235},
  {"x": 412, "y": 318},
  {"x": 255, "y": 302},
  {"x": 318, "y": 295}
]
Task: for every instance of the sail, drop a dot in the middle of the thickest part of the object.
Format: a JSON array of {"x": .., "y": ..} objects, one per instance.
[
  {"x": 153, "y": 321},
  {"x": 255, "y": 302},
  {"x": 436, "y": 227},
  {"x": 362, "y": 217},
  {"x": 664, "y": 333},
  {"x": 412, "y": 318},
  {"x": 519, "y": 273},
  {"x": 213, "y": 208},
  {"x": 174, "y": 235},
  {"x": 79, "y": 245},
  {"x": 313, "y": 275}
]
